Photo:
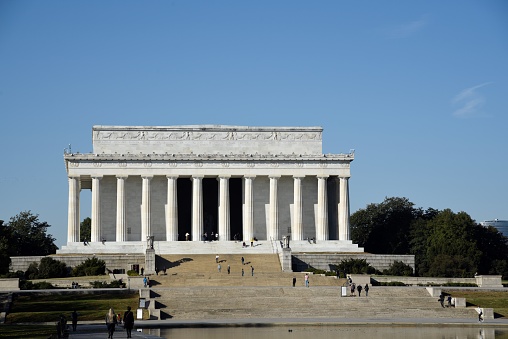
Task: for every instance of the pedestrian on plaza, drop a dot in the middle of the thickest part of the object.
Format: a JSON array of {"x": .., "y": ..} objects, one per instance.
[
  {"x": 243, "y": 260},
  {"x": 306, "y": 279},
  {"x": 252, "y": 270},
  {"x": 219, "y": 267},
  {"x": 243, "y": 273},
  {"x": 338, "y": 274},
  {"x": 480, "y": 313},
  {"x": 74, "y": 318},
  {"x": 359, "y": 290},
  {"x": 128, "y": 321},
  {"x": 217, "y": 258},
  {"x": 441, "y": 300},
  {"x": 449, "y": 300},
  {"x": 229, "y": 269},
  {"x": 366, "y": 288},
  {"x": 294, "y": 281},
  {"x": 111, "y": 322},
  {"x": 142, "y": 270},
  {"x": 145, "y": 281}
]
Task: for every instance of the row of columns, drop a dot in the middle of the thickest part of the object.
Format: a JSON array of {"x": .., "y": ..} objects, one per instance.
[{"x": 171, "y": 209}]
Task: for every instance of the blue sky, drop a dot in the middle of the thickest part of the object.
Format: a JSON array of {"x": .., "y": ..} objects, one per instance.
[{"x": 418, "y": 88}]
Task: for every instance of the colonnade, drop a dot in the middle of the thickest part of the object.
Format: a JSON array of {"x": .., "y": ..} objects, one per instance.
[{"x": 171, "y": 209}]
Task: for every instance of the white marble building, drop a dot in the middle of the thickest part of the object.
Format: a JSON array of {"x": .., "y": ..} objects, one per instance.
[{"x": 240, "y": 182}]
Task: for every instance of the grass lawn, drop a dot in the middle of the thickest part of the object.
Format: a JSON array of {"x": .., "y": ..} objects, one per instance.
[
  {"x": 26, "y": 331},
  {"x": 489, "y": 299},
  {"x": 49, "y": 307}
]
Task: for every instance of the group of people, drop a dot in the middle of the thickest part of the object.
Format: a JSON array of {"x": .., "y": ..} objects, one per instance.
[
  {"x": 358, "y": 288},
  {"x": 219, "y": 266},
  {"x": 212, "y": 237},
  {"x": 442, "y": 299},
  {"x": 113, "y": 319}
]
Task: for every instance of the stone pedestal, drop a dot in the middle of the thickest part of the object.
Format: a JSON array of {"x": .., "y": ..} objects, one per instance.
[
  {"x": 150, "y": 261},
  {"x": 285, "y": 260}
]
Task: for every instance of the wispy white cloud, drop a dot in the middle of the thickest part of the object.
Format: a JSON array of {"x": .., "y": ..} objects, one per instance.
[
  {"x": 406, "y": 29},
  {"x": 469, "y": 102}
]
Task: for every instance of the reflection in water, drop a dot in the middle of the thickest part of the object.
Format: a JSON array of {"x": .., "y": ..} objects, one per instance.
[{"x": 329, "y": 332}]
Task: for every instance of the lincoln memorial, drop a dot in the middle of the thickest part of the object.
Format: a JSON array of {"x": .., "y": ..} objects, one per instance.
[{"x": 169, "y": 184}]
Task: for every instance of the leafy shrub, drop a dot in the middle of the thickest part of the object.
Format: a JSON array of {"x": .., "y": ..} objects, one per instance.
[
  {"x": 105, "y": 284},
  {"x": 398, "y": 268},
  {"x": 356, "y": 266},
  {"x": 132, "y": 273},
  {"x": 90, "y": 267},
  {"x": 28, "y": 285}
]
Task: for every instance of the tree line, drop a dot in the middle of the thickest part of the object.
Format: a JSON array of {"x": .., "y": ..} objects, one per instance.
[{"x": 445, "y": 244}]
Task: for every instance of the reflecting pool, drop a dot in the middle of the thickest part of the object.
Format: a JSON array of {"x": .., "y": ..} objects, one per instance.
[{"x": 329, "y": 332}]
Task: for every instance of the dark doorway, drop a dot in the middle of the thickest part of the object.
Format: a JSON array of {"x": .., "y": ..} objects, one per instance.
[
  {"x": 184, "y": 197},
  {"x": 236, "y": 207},
  {"x": 210, "y": 206}
]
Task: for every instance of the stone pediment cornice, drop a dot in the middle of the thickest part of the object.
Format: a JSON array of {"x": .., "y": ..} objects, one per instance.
[{"x": 207, "y": 157}]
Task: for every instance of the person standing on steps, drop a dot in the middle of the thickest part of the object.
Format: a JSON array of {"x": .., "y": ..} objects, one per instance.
[
  {"x": 252, "y": 270},
  {"x": 294, "y": 281},
  {"x": 243, "y": 273},
  {"x": 243, "y": 260},
  {"x": 229, "y": 269},
  {"x": 219, "y": 267},
  {"x": 128, "y": 321}
]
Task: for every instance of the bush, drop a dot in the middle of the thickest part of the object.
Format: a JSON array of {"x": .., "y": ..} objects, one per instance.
[
  {"x": 90, "y": 267},
  {"x": 28, "y": 285},
  {"x": 132, "y": 273},
  {"x": 356, "y": 266},
  {"x": 105, "y": 284},
  {"x": 398, "y": 268},
  {"x": 390, "y": 283}
]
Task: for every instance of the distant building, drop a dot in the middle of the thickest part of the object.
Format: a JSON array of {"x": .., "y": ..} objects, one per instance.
[{"x": 501, "y": 225}]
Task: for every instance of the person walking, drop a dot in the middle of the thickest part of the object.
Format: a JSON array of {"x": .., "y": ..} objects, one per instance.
[
  {"x": 441, "y": 300},
  {"x": 229, "y": 269},
  {"x": 74, "y": 318},
  {"x": 243, "y": 273},
  {"x": 306, "y": 279},
  {"x": 294, "y": 281},
  {"x": 128, "y": 321},
  {"x": 359, "y": 290},
  {"x": 219, "y": 267},
  {"x": 366, "y": 288},
  {"x": 252, "y": 270},
  {"x": 243, "y": 260},
  {"x": 111, "y": 322},
  {"x": 217, "y": 258}
]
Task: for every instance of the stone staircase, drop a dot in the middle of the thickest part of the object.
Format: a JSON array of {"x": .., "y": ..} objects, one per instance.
[{"x": 192, "y": 288}]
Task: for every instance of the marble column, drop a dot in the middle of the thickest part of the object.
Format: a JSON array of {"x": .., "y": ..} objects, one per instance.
[
  {"x": 172, "y": 210},
  {"x": 146, "y": 226},
  {"x": 197, "y": 208},
  {"x": 297, "y": 227},
  {"x": 248, "y": 209},
  {"x": 223, "y": 215},
  {"x": 322, "y": 212},
  {"x": 121, "y": 225},
  {"x": 272, "y": 232},
  {"x": 73, "y": 210},
  {"x": 96, "y": 209},
  {"x": 344, "y": 209}
]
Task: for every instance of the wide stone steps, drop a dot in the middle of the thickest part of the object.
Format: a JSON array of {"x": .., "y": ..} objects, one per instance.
[{"x": 300, "y": 302}]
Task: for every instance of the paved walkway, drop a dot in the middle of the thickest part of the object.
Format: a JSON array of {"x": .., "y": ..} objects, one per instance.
[{"x": 93, "y": 331}]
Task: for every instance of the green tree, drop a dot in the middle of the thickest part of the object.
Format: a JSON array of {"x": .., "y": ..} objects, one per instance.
[
  {"x": 85, "y": 230},
  {"x": 5, "y": 258},
  {"x": 28, "y": 236},
  {"x": 51, "y": 268},
  {"x": 452, "y": 249},
  {"x": 384, "y": 228}
]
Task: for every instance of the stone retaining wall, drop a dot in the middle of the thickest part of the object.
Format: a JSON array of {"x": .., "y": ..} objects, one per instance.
[{"x": 328, "y": 262}]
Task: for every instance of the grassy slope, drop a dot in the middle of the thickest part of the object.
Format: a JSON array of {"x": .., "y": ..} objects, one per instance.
[{"x": 489, "y": 299}]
